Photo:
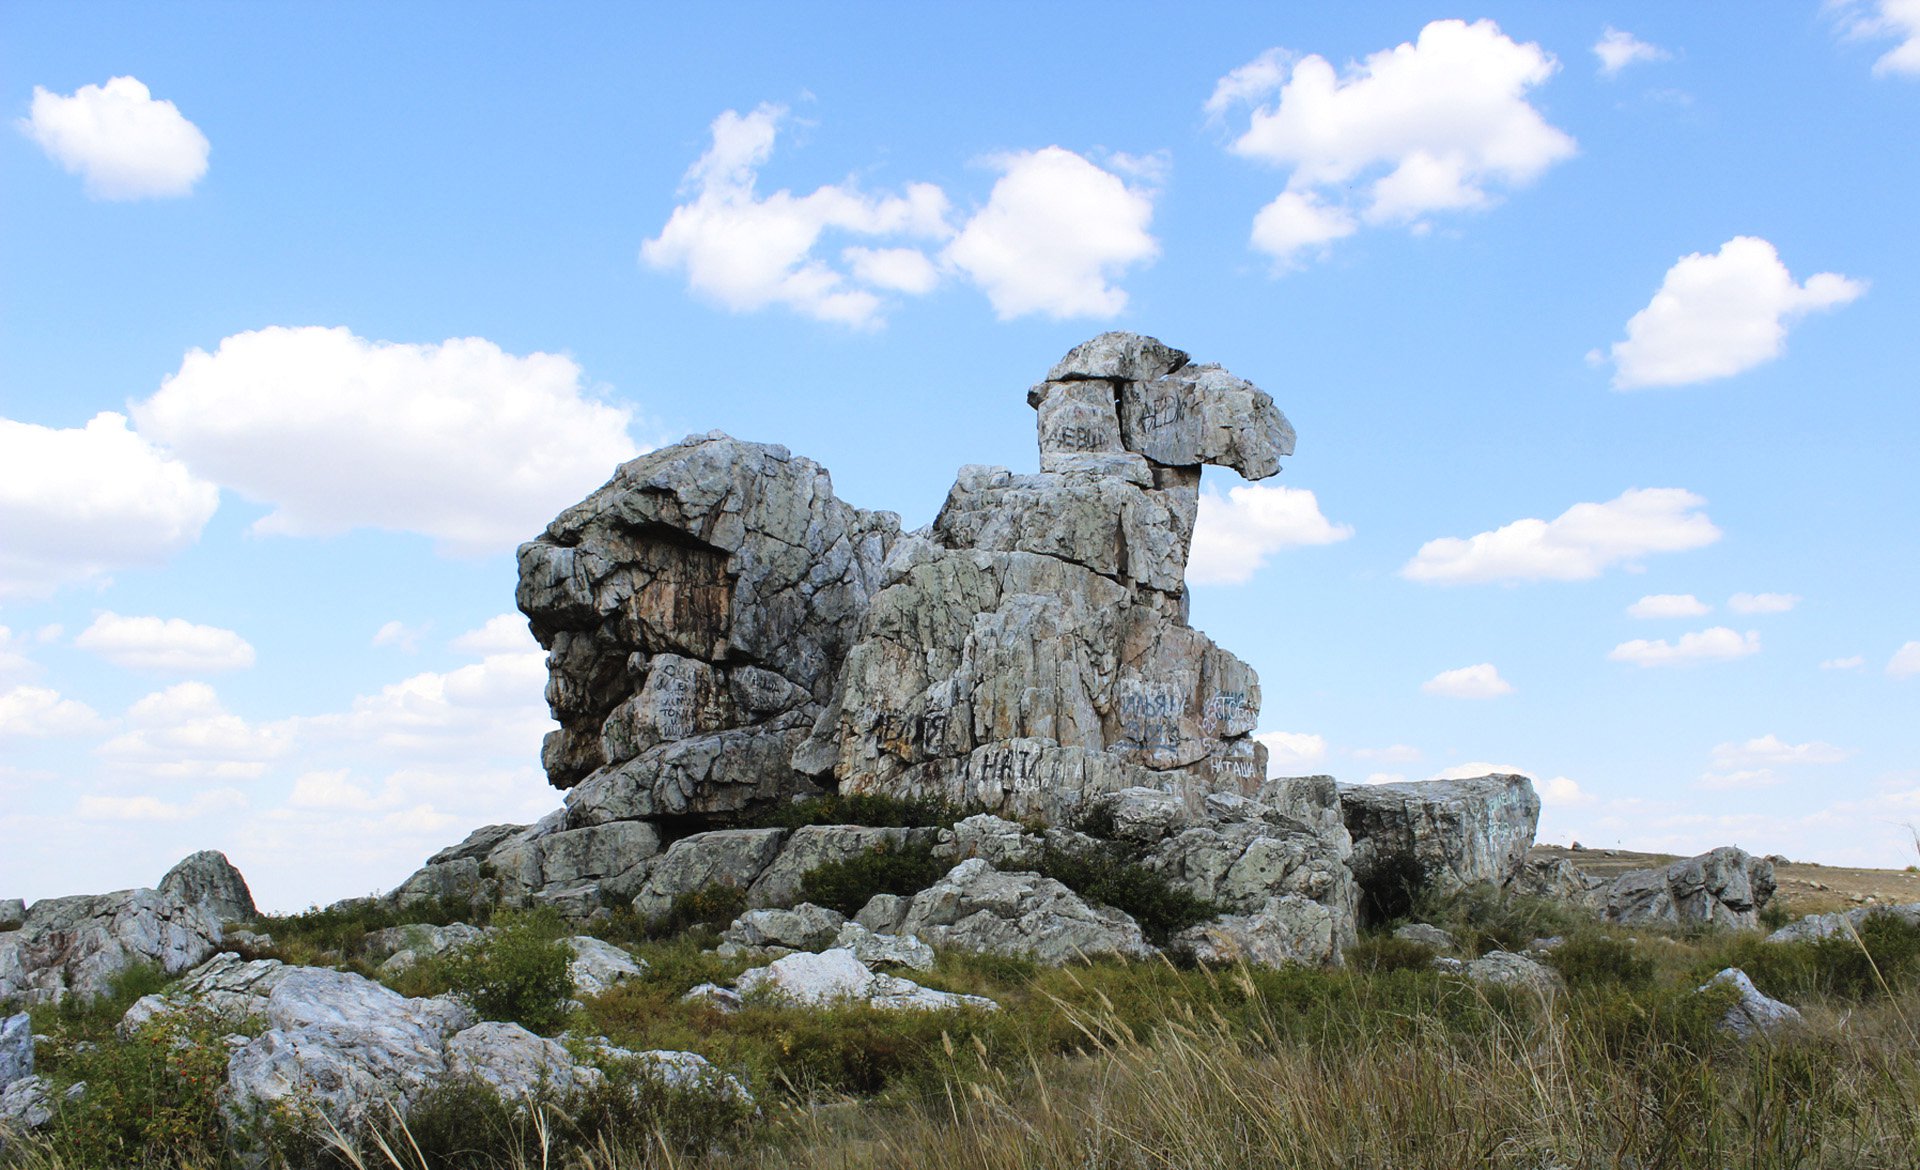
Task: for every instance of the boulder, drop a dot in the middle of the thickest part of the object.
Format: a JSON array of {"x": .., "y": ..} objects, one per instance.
[
  {"x": 838, "y": 977},
  {"x": 1447, "y": 834},
  {"x": 13, "y": 912},
  {"x": 516, "y": 1064},
  {"x": 231, "y": 989},
  {"x": 1752, "y": 1014},
  {"x": 1560, "y": 880},
  {"x": 1506, "y": 969},
  {"x": 598, "y": 966},
  {"x": 884, "y": 913},
  {"x": 545, "y": 864},
  {"x": 1288, "y": 929},
  {"x": 419, "y": 940},
  {"x": 1425, "y": 935},
  {"x": 209, "y": 881},
  {"x": 876, "y": 949},
  {"x": 978, "y": 908},
  {"x": 1722, "y": 887},
  {"x": 16, "y": 1048},
  {"x": 1841, "y": 924},
  {"x": 26, "y": 1103},
  {"x": 812, "y": 846},
  {"x": 732, "y": 858},
  {"x": 1003, "y": 843},
  {"x": 806, "y": 927}
]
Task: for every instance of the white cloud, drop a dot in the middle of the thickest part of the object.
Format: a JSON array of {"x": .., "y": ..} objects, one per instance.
[
  {"x": 1905, "y": 661},
  {"x": 458, "y": 441},
  {"x": 491, "y": 709},
  {"x": 1577, "y": 545},
  {"x": 13, "y": 664},
  {"x": 744, "y": 251},
  {"x": 1716, "y": 644},
  {"x": 78, "y": 503},
  {"x": 40, "y": 712},
  {"x": 505, "y": 633},
  {"x": 1385, "y": 778},
  {"x": 1476, "y": 769},
  {"x": 1055, "y": 234},
  {"x": 185, "y": 732},
  {"x": 1668, "y": 605},
  {"x": 1617, "y": 50},
  {"x": 1715, "y": 316},
  {"x": 1772, "y": 750},
  {"x": 399, "y": 634},
  {"x": 173, "y": 645},
  {"x": 1290, "y": 751},
  {"x": 1563, "y": 790},
  {"x": 1763, "y": 602},
  {"x": 153, "y": 809},
  {"x": 1236, "y": 533},
  {"x": 1743, "y": 778},
  {"x": 123, "y": 143},
  {"x": 1883, "y": 19},
  {"x": 1481, "y": 681},
  {"x": 1852, "y": 662},
  {"x": 1441, "y": 124},
  {"x": 1399, "y": 753}
]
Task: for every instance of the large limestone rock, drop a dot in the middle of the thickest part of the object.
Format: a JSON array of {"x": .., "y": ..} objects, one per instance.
[
  {"x": 977, "y": 908},
  {"x": 1842, "y": 924},
  {"x": 696, "y": 611},
  {"x": 16, "y": 1048},
  {"x": 78, "y": 945},
  {"x": 731, "y": 858},
  {"x": 1452, "y": 833},
  {"x": 574, "y": 870},
  {"x": 1722, "y": 887},
  {"x": 837, "y": 977},
  {"x": 1286, "y": 930}
]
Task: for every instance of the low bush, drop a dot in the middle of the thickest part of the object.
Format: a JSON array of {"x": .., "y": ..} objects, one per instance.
[
  {"x": 1383, "y": 952},
  {"x": 710, "y": 907},
  {"x": 1599, "y": 960},
  {"x": 156, "y": 1090},
  {"x": 1107, "y": 872},
  {"x": 860, "y": 808},
  {"x": 518, "y": 974},
  {"x": 847, "y": 885}
]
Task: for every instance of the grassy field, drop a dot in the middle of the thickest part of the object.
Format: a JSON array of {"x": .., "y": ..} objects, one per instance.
[{"x": 1386, "y": 1063}]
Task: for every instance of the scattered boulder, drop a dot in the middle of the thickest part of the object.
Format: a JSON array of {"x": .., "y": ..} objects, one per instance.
[
  {"x": 1445, "y": 834},
  {"x": 1753, "y": 1014},
  {"x": 1506, "y": 969},
  {"x": 1722, "y": 887},
  {"x": 1839, "y": 924},
  {"x": 1289, "y": 929},
  {"x": 598, "y": 966},
  {"x": 1426, "y": 935},
  {"x": 884, "y": 950},
  {"x": 516, "y": 1064},
  {"x": 806, "y": 927},
  {"x": 1004, "y": 844},
  {"x": 838, "y": 976},
  {"x": 978, "y": 908},
  {"x": 16, "y": 1048},
  {"x": 27, "y": 1103},
  {"x": 209, "y": 881},
  {"x": 1560, "y": 880},
  {"x": 231, "y": 989},
  {"x": 403, "y": 946}
]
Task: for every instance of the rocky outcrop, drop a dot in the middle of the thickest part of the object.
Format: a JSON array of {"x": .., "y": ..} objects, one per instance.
[
  {"x": 731, "y": 858},
  {"x": 806, "y": 927},
  {"x": 1446, "y": 835},
  {"x": 1842, "y": 924},
  {"x": 977, "y": 908},
  {"x": 1285, "y": 930},
  {"x": 838, "y": 977},
  {"x": 575, "y": 870},
  {"x": 78, "y": 945},
  {"x": 16, "y": 1048},
  {"x": 1752, "y": 1014},
  {"x": 1722, "y": 887},
  {"x": 598, "y": 966}
]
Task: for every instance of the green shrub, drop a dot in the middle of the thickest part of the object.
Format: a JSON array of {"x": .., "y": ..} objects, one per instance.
[
  {"x": 1107, "y": 872},
  {"x": 860, "y": 808},
  {"x": 156, "y": 1090},
  {"x": 1482, "y": 917},
  {"x": 1598, "y": 960},
  {"x": 847, "y": 885},
  {"x": 518, "y": 974},
  {"x": 1774, "y": 915},
  {"x": 1383, "y": 952},
  {"x": 712, "y": 906}
]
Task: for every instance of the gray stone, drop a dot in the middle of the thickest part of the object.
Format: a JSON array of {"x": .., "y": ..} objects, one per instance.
[
  {"x": 610, "y": 857},
  {"x": 13, "y": 912},
  {"x": 1753, "y": 1014},
  {"x": 231, "y": 989},
  {"x": 516, "y": 1064},
  {"x": 1288, "y": 929},
  {"x": 422, "y": 940},
  {"x": 1144, "y": 815},
  {"x": 478, "y": 844},
  {"x": 209, "y": 881},
  {"x": 812, "y": 846},
  {"x": 806, "y": 927},
  {"x": 1455, "y": 833},
  {"x": 1722, "y": 887},
  {"x": 884, "y": 913},
  {"x": 80, "y": 944},
  {"x": 1117, "y": 357},
  {"x": 977, "y": 908},
  {"x": 1426, "y": 935},
  {"x": 1838, "y": 924},
  {"x": 25, "y": 1104},
  {"x": 876, "y": 949},
  {"x": 1245, "y": 853},
  {"x": 1560, "y": 880},
  {"x": 1003, "y": 843},
  {"x": 598, "y": 966},
  {"x": 836, "y": 977},
  {"x": 16, "y": 1048},
  {"x": 1506, "y": 969},
  {"x": 723, "y": 857}
]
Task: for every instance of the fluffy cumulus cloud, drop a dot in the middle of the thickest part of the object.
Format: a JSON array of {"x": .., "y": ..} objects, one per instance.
[
  {"x": 80, "y": 502},
  {"x": 1718, "y": 315},
  {"x": 173, "y": 645},
  {"x": 1438, "y": 125},
  {"x": 505, "y": 633},
  {"x": 186, "y": 733},
  {"x": 746, "y": 251},
  {"x": 1771, "y": 750},
  {"x": 152, "y": 809},
  {"x": 1236, "y": 533},
  {"x": 1577, "y": 545},
  {"x": 1668, "y": 605},
  {"x": 1617, "y": 50},
  {"x": 1740, "y": 778},
  {"x": 41, "y": 713},
  {"x": 1480, "y": 681},
  {"x": 1905, "y": 662},
  {"x": 399, "y": 635},
  {"x": 1055, "y": 234},
  {"x": 121, "y": 141},
  {"x": 1898, "y": 20},
  {"x": 490, "y": 709},
  {"x": 1763, "y": 602},
  {"x": 1288, "y": 752},
  {"x": 1718, "y": 644},
  {"x": 472, "y": 446}
]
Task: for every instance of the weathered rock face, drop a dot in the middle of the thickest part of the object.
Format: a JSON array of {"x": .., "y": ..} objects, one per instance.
[
  {"x": 1754, "y": 1014},
  {"x": 208, "y": 880},
  {"x": 16, "y": 1048},
  {"x": 977, "y": 908},
  {"x": 1722, "y": 887},
  {"x": 1838, "y": 924},
  {"x": 1451, "y": 833},
  {"x": 696, "y": 611}
]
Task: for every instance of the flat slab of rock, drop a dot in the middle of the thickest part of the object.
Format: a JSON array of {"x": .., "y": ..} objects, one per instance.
[
  {"x": 839, "y": 977},
  {"x": 1287, "y": 930},
  {"x": 1425, "y": 935}
]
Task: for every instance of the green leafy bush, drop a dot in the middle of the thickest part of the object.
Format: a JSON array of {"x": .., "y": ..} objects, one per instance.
[
  {"x": 156, "y": 1090},
  {"x": 847, "y": 885},
  {"x": 712, "y": 906},
  {"x": 519, "y": 973},
  {"x": 1107, "y": 872}
]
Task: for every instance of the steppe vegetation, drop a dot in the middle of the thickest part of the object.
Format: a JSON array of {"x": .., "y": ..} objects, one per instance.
[{"x": 1386, "y": 1063}]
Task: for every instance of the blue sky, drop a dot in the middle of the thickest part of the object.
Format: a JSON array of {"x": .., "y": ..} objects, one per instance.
[{"x": 1597, "y": 323}]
